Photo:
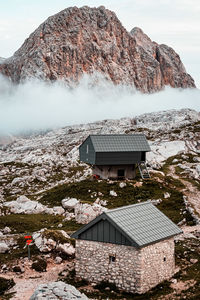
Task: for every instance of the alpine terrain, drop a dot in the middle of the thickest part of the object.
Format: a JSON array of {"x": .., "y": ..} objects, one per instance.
[{"x": 47, "y": 193}]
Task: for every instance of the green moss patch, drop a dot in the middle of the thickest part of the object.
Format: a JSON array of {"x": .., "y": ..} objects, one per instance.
[
  {"x": 20, "y": 223},
  {"x": 189, "y": 159}
]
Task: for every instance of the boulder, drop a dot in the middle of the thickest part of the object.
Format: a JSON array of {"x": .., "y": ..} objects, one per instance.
[
  {"x": 66, "y": 249},
  {"x": 122, "y": 184},
  {"x": 43, "y": 244},
  {"x": 84, "y": 213},
  {"x": 25, "y": 205},
  {"x": 3, "y": 247},
  {"x": 69, "y": 203},
  {"x": 58, "y": 210},
  {"x": 167, "y": 195},
  {"x": 69, "y": 216},
  {"x": 6, "y": 230},
  {"x": 57, "y": 290},
  {"x": 58, "y": 260},
  {"x": 113, "y": 193}
]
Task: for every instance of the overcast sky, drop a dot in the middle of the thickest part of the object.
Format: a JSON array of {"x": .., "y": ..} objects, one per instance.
[{"x": 172, "y": 22}]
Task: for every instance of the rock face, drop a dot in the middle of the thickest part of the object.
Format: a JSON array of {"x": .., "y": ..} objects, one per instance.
[
  {"x": 57, "y": 290},
  {"x": 89, "y": 40},
  {"x": 47, "y": 241},
  {"x": 172, "y": 70}
]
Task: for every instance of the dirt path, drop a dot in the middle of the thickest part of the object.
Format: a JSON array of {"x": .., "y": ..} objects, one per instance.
[
  {"x": 189, "y": 229},
  {"x": 26, "y": 283},
  {"x": 190, "y": 191}
]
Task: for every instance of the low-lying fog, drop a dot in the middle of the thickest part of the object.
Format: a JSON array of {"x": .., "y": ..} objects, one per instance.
[{"x": 37, "y": 105}]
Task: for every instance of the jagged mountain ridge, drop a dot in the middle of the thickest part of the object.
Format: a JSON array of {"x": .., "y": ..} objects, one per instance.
[{"x": 87, "y": 40}]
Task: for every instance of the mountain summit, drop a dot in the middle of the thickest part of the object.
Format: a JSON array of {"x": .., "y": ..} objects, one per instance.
[{"x": 87, "y": 40}]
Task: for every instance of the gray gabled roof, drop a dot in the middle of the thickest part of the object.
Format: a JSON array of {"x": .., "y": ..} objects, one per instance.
[
  {"x": 141, "y": 223},
  {"x": 120, "y": 142}
]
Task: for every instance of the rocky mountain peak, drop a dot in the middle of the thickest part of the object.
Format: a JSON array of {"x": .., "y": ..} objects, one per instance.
[
  {"x": 141, "y": 38},
  {"x": 83, "y": 40}
]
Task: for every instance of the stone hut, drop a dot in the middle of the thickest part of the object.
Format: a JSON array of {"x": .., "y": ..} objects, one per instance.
[
  {"x": 116, "y": 156},
  {"x": 131, "y": 246}
]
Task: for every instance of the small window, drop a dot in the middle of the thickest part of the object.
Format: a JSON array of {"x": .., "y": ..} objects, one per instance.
[
  {"x": 112, "y": 259},
  {"x": 87, "y": 149},
  {"x": 120, "y": 173},
  {"x": 164, "y": 258}
]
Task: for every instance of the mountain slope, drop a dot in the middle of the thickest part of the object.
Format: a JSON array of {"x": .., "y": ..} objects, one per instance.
[{"x": 87, "y": 40}]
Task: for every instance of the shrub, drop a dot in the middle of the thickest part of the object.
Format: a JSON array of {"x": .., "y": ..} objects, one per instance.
[
  {"x": 5, "y": 284},
  {"x": 40, "y": 265}
]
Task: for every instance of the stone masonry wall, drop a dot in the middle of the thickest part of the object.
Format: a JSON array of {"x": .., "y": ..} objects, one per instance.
[
  {"x": 158, "y": 264},
  {"x": 134, "y": 270},
  {"x": 92, "y": 264}
]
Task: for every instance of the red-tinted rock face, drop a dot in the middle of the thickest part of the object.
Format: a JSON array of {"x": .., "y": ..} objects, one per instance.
[{"x": 85, "y": 40}]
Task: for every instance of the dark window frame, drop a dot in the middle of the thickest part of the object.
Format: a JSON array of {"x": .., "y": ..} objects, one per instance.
[{"x": 112, "y": 259}]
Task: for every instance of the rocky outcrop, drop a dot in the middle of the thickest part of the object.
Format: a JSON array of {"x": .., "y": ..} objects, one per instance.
[
  {"x": 86, "y": 40},
  {"x": 57, "y": 290},
  {"x": 53, "y": 240},
  {"x": 84, "y": 212},
  {"x": 27, "y": 206}
]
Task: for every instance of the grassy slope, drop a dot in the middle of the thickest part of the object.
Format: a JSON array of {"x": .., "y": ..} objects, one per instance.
[{"x": 173, "y": 207}]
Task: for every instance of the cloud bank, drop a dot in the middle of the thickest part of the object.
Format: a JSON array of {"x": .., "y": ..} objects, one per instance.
[{"x": 34, "y": 105}]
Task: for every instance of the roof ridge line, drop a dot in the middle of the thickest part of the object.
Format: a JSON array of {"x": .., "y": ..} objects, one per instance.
[
  {"x": 127, "y": 206},
  {"x": 99, "y": 134}
]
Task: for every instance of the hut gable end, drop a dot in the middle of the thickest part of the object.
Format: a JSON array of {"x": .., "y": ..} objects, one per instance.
[
  {"x": 104, "y": 231},
  {"x": 87, "y": 151}
]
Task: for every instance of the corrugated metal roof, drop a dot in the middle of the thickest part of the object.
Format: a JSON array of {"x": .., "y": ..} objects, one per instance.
[
  {"x": 120, "y": 142},
  {"x": 143, "y": 223}
]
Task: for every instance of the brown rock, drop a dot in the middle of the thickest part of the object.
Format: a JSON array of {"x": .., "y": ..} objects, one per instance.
[{"x": 85, "y": 40}]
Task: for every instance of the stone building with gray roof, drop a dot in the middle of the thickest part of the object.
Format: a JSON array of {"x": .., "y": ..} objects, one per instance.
[
  {"x": 116, "y": 155},
  {"x": 131, "y": 246}
]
